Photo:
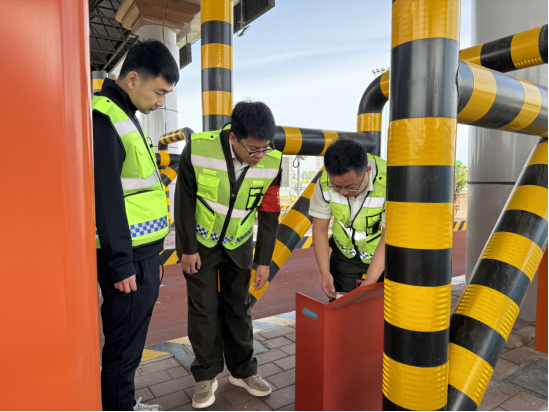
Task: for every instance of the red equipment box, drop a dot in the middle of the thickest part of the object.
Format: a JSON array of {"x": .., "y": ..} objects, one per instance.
[{"x": 339, "y": 351}]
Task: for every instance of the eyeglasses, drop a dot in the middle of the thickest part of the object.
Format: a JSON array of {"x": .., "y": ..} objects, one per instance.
[
  {"x": 257, "y": 153},
  {"x": 354, "y": 190}
]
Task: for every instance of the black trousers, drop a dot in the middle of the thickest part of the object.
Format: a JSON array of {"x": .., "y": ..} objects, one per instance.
[
  {"x": 346, "y": 271},
  {"x": 126, "y": 318},
  {"x": 220, "y": 323}
]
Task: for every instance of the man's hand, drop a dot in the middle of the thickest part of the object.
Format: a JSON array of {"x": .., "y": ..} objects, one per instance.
[
  {"x": 261, "y": 276},
  {"x": 127, "y": 285},
  {"x": 327, "y": 285},
  {"x": 190, "y": 263}
]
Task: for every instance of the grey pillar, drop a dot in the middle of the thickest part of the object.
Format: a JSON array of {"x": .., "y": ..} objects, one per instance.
[{"x": 496, "y": 158}]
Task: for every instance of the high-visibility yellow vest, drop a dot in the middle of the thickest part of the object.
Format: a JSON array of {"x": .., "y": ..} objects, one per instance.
[
  {"x": 144, "y": 194},
  {"x": 362, "y": 233},
  {"x": 213, "y": 205}
]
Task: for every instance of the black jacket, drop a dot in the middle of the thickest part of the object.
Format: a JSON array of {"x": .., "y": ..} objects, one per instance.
[
  {"x": 110, "y": 211},
  {"x": 185, "y": 224}
]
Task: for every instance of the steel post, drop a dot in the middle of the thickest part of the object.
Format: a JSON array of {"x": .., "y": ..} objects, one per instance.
[
  {"x": 488, "y": 308},
  {"x": 419, "y": 210},
  {"x": 217, "y": 63}
]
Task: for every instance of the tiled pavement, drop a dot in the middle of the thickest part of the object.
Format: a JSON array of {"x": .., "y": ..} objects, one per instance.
[{"x": 519, "y": 382}]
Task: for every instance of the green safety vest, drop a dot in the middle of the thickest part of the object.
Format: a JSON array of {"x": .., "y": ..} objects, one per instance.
[
  {"x": 144, "y": 194},
  {"x": 364, "y": 232},
  {"x": 213, "y": 204}
]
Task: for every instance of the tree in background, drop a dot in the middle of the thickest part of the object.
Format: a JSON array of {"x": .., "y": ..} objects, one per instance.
[
  {"x": 308, "y": 175},
  {"x": 460, "y": 178}
]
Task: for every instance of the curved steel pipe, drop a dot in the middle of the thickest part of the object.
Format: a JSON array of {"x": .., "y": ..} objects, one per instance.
[
  {"x": 370, "y": 109},
  {"x": 486, "y": 99},
  {"x": 495, "y": 101},
  {"x": 518, "y": 51},
  {"x": 168, "y": 175},
  {"x": 293, "y": 226},
  {"x": 173, "y": 137},
  {"x": 487, "y": 309},
  {"x": 164, "y": 158}
]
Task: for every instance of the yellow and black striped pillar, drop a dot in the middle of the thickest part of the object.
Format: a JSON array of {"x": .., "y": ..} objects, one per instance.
[
  {"x": 518, "y": 51},
  {"x": 291, "y": 230},
  {"x": 98, "y": 77},
  {"x": 487, "y": 310},
  {"x": 167, "y": 176},
  {"x": 217, "y": 63},
  {"x": 419, "y": 208},
  {"x": 370, "y": 108},
  {"x": 496, "y": 101}
]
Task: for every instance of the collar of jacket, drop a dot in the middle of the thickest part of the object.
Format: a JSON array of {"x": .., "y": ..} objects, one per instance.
[{"x": 113, "y": 91}]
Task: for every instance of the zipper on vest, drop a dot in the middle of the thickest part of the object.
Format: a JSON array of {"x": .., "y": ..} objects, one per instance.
[
  {"x": 374, "y": 238},
  {"x": 138, "y": 193},
  {"x": 207, "y": 206}
]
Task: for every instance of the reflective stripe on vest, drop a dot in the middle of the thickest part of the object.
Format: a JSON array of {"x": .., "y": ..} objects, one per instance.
[
  {"x": 144, "y": 194},
  {"x": 213, "y": 204}
]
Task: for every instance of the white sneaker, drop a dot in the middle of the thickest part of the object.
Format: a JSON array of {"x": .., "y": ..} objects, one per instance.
[
  {"x": 255, "y": 385},
  {"x": 144, "y": 407},
  {"x": 204, "y": 394}
]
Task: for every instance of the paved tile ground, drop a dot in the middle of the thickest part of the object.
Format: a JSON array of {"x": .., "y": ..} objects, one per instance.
[{"x": 519, "y": 382}]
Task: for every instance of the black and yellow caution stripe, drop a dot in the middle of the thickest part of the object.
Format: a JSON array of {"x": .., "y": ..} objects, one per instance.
[
  {"x": 291, "y": 231},
  {"x": 484, "y": 316},
  {"x": 419, "y": 221},
  {"x": 518, "y": 51},
  {"x": 371, "y": 106},
  {"x": 314, "y": 142},
  {"x": 492, "y": 100},
  {"x": 217, "y": 62}
]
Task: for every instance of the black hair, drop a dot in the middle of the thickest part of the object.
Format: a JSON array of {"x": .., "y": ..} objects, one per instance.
[
  {"x": 253, "y": 119},
  {"x": 345, "y": 155},
  {"x": 151, "y": 59}
]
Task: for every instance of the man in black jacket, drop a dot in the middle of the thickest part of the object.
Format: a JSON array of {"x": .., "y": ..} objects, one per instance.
[
  {"x": 128, "y": 274},
  {"x": 220, "y": 324}
]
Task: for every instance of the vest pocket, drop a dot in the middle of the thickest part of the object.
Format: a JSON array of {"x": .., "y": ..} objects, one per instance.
[
  {"x": 208, "y": 186},
  {"x": 205, "y": 218},
  {"x": 144, "y": 159}
]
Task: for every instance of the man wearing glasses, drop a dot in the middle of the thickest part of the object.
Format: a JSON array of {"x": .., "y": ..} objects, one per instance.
[
  {"x": 225, "y": 177},
  {"x": 352, "y": 191}
]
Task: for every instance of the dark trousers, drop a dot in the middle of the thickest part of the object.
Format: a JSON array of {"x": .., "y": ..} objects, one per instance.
[
  {"x": 126, "y": 318},
  {"x": 346, "y": 271},
  {"x": 220, "y": 323}
]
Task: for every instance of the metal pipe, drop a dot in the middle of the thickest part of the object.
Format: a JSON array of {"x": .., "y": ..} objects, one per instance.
[
  {"x": 487, "y": 309},
  {"x": 419, "y": 207},
  {"x": 495, "y": 101},
  {"x": 163, "y": 158},
  {"x": 487, "y": 99},
  {"x": 518, "y": 51},
  {"x": 217, "y": 63},
  {"x": 293, "y": 226},
  {"x": 290, "y": 140},
  {"x": 314, "y": 142},
  {"x": 371, "y": 107},
  {"x": 173, "y": 137}
]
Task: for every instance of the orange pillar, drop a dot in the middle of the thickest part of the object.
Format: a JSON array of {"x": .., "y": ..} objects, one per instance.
[
  {"x": 541, "y": 308},
  {"x": 48, "y": 311}
]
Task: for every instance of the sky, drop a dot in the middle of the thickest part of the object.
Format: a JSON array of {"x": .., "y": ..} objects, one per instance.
[{"x": 310, "y": 62}]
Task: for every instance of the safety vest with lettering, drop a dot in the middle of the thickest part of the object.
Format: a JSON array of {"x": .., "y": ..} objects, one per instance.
[
  {"x": 214, "y": 203},
  {"x": 363, "y": 233},
  {"x": 144, "y": 194}
]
